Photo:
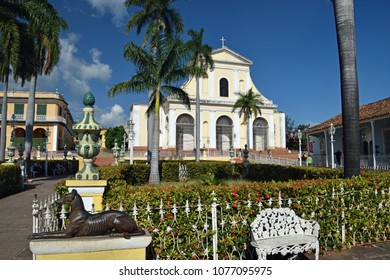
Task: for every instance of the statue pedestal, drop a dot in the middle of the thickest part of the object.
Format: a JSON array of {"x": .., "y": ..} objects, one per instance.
[
  {"x": 91, "y": 248},
  {"x": 91, "y": 192}
]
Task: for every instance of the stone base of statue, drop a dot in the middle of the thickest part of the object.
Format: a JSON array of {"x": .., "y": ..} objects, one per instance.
[
  {"x": 91, "y": 192},
  {"x": 91, "y": 248}
]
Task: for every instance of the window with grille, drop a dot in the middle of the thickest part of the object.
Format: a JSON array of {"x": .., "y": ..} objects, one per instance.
[
  {"x": 386, "y": 141},
  {"x": 223, "y": 87},
  {"x": 19, "y": 109},
  {"x": 185, "y": 140},
  {"x": 224, "y": 133},
  {"x": 260, "y": 134},
  {"x": 41, "y": 109}
]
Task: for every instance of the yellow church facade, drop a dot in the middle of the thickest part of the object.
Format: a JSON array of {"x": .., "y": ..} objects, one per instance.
[{"x": 220, "y": 128}]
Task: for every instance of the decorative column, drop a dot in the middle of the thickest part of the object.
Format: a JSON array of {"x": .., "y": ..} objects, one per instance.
[
  {"x": 88, "y": 131},
  {"x": 246, "y": 155},
  {"x": 87, "y": 181}
]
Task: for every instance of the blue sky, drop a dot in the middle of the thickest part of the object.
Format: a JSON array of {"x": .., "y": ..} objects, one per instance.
[{"x": 292, "y": 44}]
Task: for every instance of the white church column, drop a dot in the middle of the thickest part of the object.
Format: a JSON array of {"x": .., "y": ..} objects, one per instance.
[
  {"x": 236, "y": 84},
  {"x": 211, "y": 83},
  {"x": 248, "y": 81},
  {"x": 172, "y": 128},
  {"x": 212, "y": 129},
  {"x": 135, "y": 116},
  {"x": 282, "y": 129},
  {"x": 236, "y": 131},
  {"x": 271, "y": 128},
  {"x": 250, "y": 140}
]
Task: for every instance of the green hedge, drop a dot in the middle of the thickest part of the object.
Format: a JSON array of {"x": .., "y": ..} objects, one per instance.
[
  {"x": 138, "y": 174},
  {"x": 10, "y": 179}
]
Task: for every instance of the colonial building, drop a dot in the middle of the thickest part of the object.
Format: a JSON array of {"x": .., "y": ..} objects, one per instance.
[
  {"x": 374, "y": 136},
  {"x": 52, "y": 117},
  {"x": 220, "y": 128}
]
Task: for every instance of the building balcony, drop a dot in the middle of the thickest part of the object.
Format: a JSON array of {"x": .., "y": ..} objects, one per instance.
[{"x": 38, "y": 118}]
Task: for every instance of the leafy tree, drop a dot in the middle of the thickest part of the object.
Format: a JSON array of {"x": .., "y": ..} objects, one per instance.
[
  {"x": 13, "y": 45},
  {"x": 200, "y": 57},
  {"x": 248, "y": 103},
  {"x": 44, "y": 25},
  {"x": 113, "y": 134},
  {"x": 345, "y": 29},
  {"x": 153, "y": 13},
  {"x": 157, "y": 72}
]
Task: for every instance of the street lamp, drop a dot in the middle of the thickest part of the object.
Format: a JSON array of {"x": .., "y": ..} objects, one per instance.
[
  {"x": 332, "y": 131},
  {"x": 47, "y": 134},
  {"x": 300, "y": 146},
  {"x": 13, "y": 125},
  {"x": 234, "y": 143},
  {"x": 130, "y": 126},
  {"x": 208, "y": 147}
]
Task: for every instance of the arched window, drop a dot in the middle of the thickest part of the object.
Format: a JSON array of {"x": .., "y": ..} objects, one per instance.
[
  {"x": 224, "y": 133},
  {"x": 223, "y": 87},
  {"x": 260, "y": 134},
  {"x": 20, "y": 136},
  {"x": 185, "y": 133}
]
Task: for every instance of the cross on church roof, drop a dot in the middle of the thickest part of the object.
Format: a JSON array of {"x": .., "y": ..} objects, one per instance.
[{"x": 223, "y": 42}]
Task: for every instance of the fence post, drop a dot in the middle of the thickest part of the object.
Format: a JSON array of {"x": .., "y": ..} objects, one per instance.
[
  {"x": 214, "y": 222},
  {"x": 35, "y": 212}
]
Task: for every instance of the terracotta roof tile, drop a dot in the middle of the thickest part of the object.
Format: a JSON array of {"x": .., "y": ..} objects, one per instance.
[{"x": 373, "y": 110}]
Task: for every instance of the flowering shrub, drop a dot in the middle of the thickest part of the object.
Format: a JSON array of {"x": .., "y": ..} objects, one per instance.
[{"x": 349, "y": 211}]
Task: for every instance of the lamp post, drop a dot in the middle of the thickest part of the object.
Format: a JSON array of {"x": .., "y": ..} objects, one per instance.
[
  {"x": 234, "y": 143},
  {"x": 47, "y": 134},
  {"x": 13, "y": 125},
  {"x": 130, "y": 126},
  {"x": 300, "y": 146},
  {"x": 332, "y": 131},
  {"x": 231, "y": 153},
  {"x": 208, "y": 147}
]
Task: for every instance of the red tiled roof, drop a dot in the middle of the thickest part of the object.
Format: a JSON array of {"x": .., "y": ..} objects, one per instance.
[{"x": 373, "y": 110}]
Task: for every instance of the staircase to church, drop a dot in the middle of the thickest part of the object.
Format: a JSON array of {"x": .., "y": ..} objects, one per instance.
[{"x": 281, "y": 153}]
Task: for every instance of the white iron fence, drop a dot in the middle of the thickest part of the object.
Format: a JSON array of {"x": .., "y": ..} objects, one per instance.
[{"x": 211, "y": 229}]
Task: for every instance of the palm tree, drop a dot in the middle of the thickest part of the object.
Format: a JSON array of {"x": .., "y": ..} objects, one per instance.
[
  {"x": 45, "y": 30},
  {"x": 156, "y": 73},
  {"x": 201, "y": 58},
  {"x": 13, "y": 37},
  {"x": 248, "y": 103},
  {"x": 152, "y": 13},
  {"x": 345, "y": 28}
]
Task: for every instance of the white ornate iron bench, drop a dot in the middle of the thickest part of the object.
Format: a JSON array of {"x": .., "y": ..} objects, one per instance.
[{"x": 280, "y": 230}]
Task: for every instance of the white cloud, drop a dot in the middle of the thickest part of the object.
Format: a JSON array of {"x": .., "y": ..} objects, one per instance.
[
  {"x": 115, "y": 7},
  {"x": 115, "y": 117},
  {"x": 74, "y": 71}
]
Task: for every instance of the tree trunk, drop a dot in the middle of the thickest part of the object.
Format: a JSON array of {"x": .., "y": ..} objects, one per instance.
[
  {"x": 149, "y": 136},
  {"x": 30, "y": 118},
  {"x": 3, "y": 136},
  {"x": 248, "y": 133},
  {"x": 345, "y": 27},
  {"x": 197, "y": 121},
  {"x": 154, "y": 176}
]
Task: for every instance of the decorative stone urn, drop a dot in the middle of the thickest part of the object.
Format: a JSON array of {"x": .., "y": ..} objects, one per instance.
[
  {"x": 88, "y": 131},
  {"x": 87, "y": 182}
]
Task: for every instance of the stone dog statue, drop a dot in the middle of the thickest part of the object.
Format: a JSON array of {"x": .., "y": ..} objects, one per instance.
[{"x": 82, "y": 223}]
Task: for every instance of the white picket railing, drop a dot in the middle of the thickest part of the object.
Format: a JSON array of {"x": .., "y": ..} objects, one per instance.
[{"x": 214, "y": 222}]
